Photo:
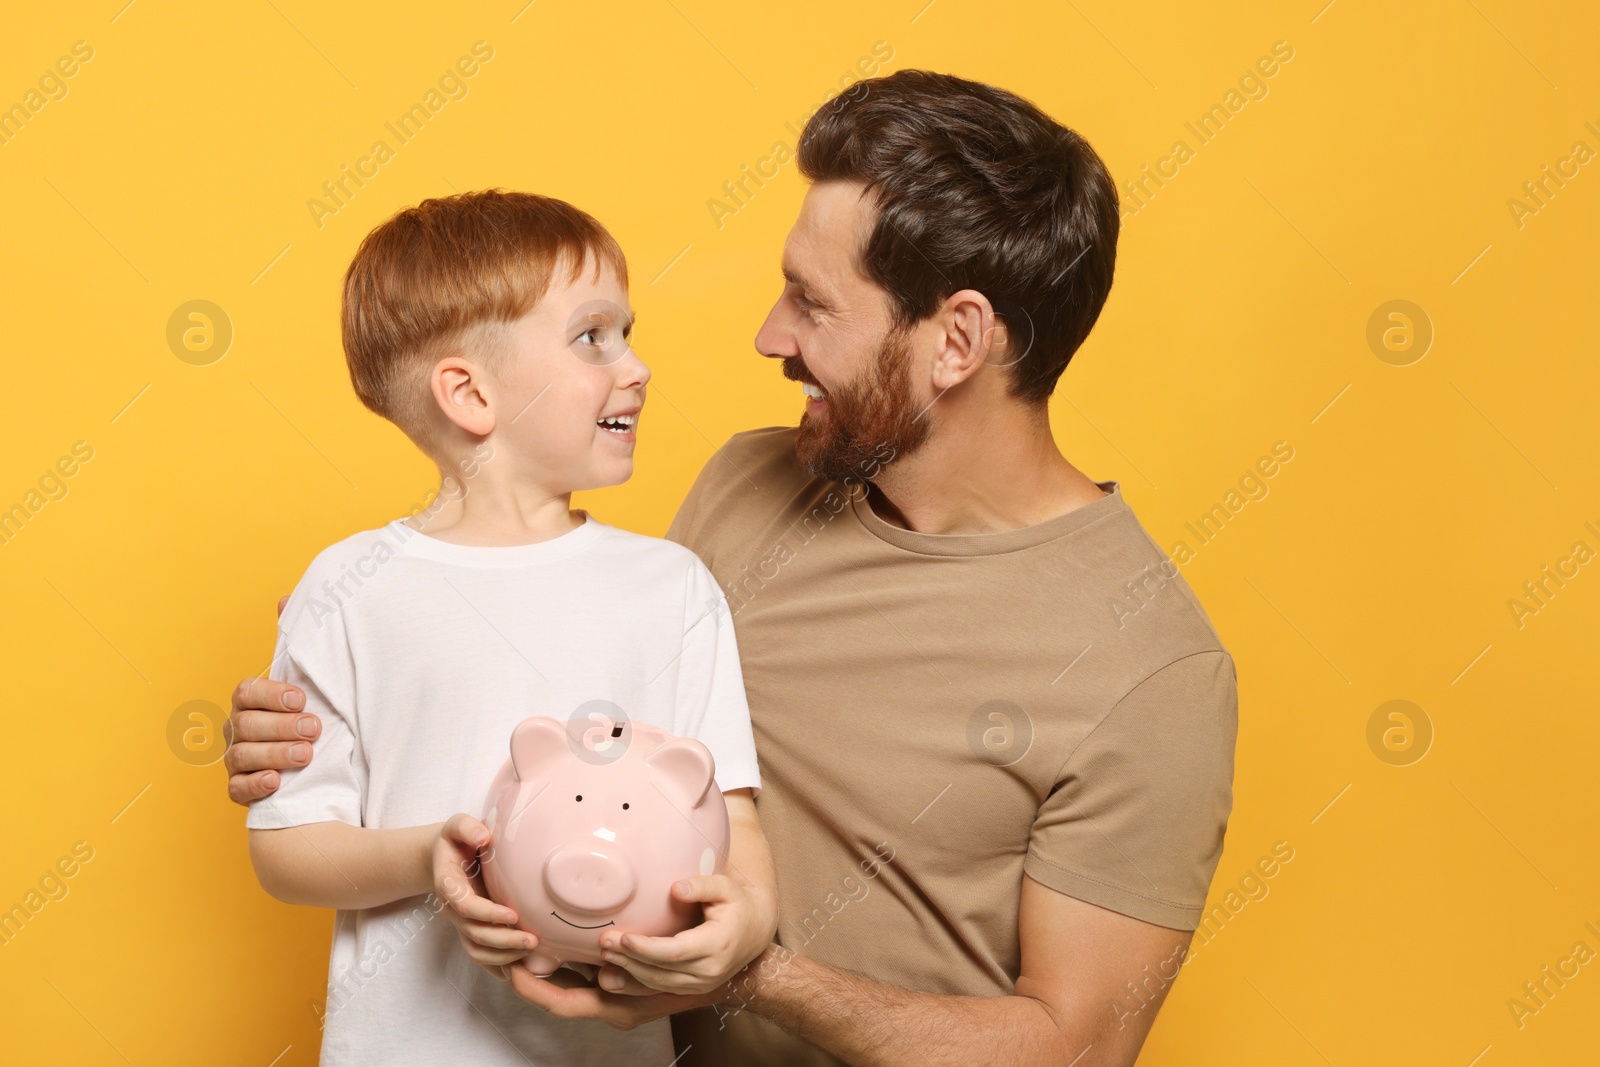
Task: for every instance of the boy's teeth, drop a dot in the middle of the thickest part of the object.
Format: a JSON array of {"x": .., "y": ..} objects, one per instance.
[
  {"x": 617, "y": 422},
  {"x": 811, "y": 390}
]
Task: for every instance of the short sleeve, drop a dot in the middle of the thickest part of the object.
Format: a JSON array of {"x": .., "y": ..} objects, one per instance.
[
  {"x": 1136, "y": 818},
  {"x": 711, "y": 705},
  {"x": 332, "y": 787}
]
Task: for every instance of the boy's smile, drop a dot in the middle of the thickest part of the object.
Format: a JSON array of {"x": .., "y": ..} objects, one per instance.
[
  {"x": 571, "y": 389},
  {"x": 557, "y": 393},
  {"x": 620, "y": 424}
]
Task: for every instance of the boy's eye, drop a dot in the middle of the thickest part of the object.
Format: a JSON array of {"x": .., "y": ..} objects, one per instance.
[{"x": 599, "y": 331}]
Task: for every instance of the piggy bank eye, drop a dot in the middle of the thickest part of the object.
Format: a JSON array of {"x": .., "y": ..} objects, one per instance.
[
  {"x": 624, "y": 805},
  {"x": 579, "y": 796}
]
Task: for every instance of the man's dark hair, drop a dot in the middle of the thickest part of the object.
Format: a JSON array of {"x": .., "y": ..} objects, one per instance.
[{"x": 976, "y": 188}]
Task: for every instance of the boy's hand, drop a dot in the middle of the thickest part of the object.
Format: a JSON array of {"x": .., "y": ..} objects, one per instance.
[
  {"x": 488, "y": 930},
  {"x": 740, "y": 920}
]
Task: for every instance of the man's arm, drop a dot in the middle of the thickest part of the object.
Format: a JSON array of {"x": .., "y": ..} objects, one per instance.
[
  {"x": 1092, "y": 981},
  {"x": 336, "y": 865}
]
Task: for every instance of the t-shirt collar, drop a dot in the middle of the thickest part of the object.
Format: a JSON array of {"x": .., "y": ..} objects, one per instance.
[
  {"x": 988, "y": 544},
  {"x": 412, "y": 543}
]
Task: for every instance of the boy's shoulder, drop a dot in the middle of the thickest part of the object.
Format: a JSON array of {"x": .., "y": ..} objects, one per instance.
[
  {"x": 333, "y": 574},
  {"x": 651, "y": 553},
  {"x": 610, "y": 557},
  {"x": 653, "y": 571},
  {"x": 361, "y": 553}
]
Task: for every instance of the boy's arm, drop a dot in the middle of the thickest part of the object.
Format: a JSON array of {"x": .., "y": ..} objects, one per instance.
[
  {"x": 336, "y": 865},
  {"x": 741, "y": 916}
]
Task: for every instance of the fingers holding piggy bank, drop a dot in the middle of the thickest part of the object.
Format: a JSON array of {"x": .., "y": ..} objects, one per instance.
[
  {"x": 591, "y": 830},
  {"x": 487, "y": 930}
]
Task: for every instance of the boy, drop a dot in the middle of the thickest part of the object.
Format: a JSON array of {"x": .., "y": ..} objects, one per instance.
[{"x": 492, "y": 329}]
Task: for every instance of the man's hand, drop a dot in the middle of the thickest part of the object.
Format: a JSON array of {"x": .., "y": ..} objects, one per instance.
[
  {"x": 265, "y": 735},
  {"x": 740, "y": 919},
  {"x": 563, "y": 997},
  {"x": 488, "y": 930}
]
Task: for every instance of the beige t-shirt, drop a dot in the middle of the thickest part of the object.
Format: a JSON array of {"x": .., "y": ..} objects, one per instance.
[{"x": 936, "y": 715}]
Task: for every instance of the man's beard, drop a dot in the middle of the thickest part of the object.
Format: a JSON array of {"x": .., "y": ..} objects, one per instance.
[{"x": 868, "y": 423}]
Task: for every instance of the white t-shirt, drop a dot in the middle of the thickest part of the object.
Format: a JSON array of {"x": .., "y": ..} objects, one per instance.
[{"x": 420, "y": 657}]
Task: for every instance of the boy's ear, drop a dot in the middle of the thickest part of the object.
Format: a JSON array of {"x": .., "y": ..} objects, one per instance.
[{"x": 457, "y": 387}]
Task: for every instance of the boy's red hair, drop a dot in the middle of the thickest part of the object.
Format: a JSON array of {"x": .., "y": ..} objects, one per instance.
[{"x": 429, "y": 277}]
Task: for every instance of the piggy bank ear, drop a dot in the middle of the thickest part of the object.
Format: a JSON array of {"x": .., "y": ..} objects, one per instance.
[
  {"x": 683, "y": 770},
  {"x": 536, "y": 747}
]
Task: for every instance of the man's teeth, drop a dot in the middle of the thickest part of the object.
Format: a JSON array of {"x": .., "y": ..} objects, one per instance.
[
  {"x": 813, "y": 391},
  {"x": 617, "y": 423}
]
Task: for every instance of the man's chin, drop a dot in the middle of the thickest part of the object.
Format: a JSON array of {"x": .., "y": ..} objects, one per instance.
[
  {"x": 824, "y": 456},
  {"x": 812, "y": 452}
]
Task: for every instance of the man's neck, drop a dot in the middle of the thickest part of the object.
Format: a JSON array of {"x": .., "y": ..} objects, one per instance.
[{"x": 964, "y": 482}]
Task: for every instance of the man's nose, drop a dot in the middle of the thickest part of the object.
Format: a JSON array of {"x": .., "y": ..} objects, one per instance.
[{"x": 774, "y": 340}]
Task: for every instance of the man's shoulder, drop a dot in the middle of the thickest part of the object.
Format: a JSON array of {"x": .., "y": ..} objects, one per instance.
[
  {"x": 1137, "y": 592},
  {"x": 756, "y": 460},
  {"x": 746, "y": 481}
]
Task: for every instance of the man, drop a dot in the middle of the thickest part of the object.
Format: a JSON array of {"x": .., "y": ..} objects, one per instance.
[{"x": 995, "y": 726}]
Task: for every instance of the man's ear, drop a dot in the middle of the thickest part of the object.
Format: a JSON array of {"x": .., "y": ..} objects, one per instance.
[
  {"x": 458, "y": 387},
  {"x": 968, "y": 332}
]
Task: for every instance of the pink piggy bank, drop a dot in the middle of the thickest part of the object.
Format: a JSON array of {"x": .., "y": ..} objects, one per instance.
[{"x": 589, "y": 831}]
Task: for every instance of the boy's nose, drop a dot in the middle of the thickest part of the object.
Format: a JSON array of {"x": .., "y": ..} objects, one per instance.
[{"x": 634, "y": 372}]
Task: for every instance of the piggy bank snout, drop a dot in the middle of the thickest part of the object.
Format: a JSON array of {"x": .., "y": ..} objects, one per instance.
[{"x": 588, "y": 879}]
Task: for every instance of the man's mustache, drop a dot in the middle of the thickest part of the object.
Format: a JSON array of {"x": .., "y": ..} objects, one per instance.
[{"x": 794, "y": 369}]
